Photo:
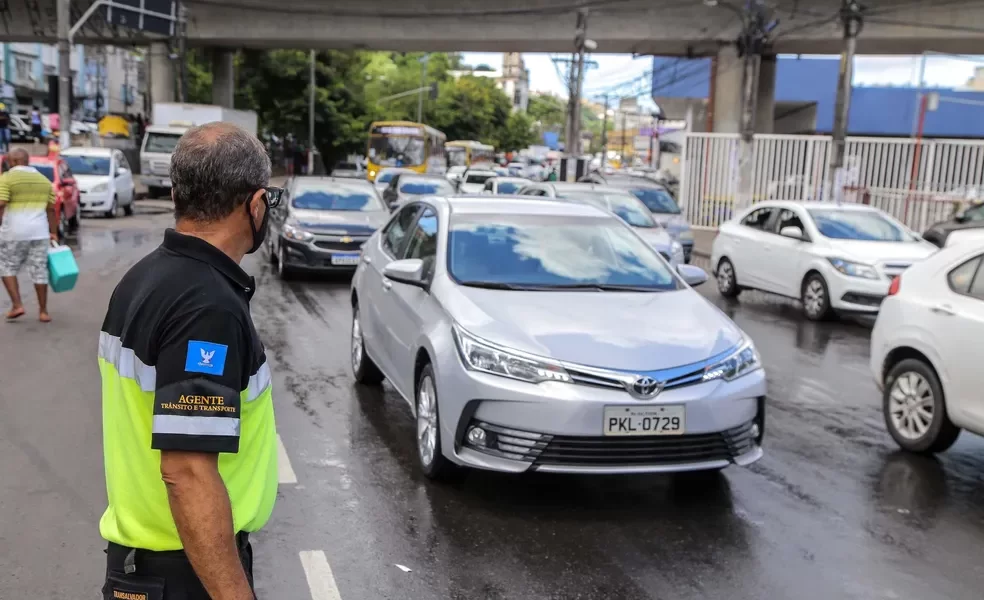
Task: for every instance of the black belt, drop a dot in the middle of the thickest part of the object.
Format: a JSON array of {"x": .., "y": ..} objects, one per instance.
[{"x": 130, "y": 565}]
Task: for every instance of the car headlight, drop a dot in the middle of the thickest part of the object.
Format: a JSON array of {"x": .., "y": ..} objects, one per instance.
[
  {"x": 853, "y": 269},
  {"x": 478, "y": 355},
  {"x": 293, "y": 233},
  {"x": 99, "y": 187},
  {"x": 741, "y": 362}
]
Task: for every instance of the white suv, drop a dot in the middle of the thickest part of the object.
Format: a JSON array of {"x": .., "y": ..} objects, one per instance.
[{"x": 926, "y": 353}]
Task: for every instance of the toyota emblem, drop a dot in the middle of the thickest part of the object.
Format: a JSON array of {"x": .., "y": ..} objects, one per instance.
[{"x": 645, "y": 387}]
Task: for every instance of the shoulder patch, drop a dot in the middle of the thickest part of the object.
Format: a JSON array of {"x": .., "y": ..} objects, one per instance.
[{"x": 206, "y": 357}]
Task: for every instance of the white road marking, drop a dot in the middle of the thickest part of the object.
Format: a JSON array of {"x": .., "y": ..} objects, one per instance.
[
  {"x": 319, "y": 577},
  {"x": 283, "y": 463}
]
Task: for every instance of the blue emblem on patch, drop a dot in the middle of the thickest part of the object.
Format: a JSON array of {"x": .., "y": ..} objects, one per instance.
[{"x": 206, "y": 357}]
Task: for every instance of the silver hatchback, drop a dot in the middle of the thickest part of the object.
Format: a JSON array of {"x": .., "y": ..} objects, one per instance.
[{"x": 542, "y": 335}]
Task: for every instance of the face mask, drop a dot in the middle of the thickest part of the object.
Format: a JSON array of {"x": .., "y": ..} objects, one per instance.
[{"x": 258, "y": 234}]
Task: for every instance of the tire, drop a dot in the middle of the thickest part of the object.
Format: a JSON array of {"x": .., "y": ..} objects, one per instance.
[
  {"x": 727, "y": 281},
  {"x": 128, "y": 209},
  {"x": 271, "y": 253},
  {"x": 430, "y": 456},
  {"x": 114, "y": 209},
  {"x": 154, "y": 192},
  {"x": 815, "y": 298},
  {"x": 283, "y": 269},
  {"x": 366, "y": 372},
  {"x": 912, "y": 395}
]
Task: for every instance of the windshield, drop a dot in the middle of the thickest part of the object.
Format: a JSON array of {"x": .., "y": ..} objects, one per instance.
[
  {"x": 456, "y": 156},
  {"x": 87, "y": 165},
  {"x": 335, "y": 198},
  {"x": 552, "y": 252},
  {"x": 426, "y": 186},
  {"x": 386, "y": 176},
  {"x": 657, "y": 200},
  {"x": 161, "y": 142},
  {"x": 346, "y": 166},
  {"x": 474, "y": 178},
  {"x": 396, "y": 150},
  {"x": 865, "y": 225},
  {"x": 46, "y": 170},
  {"x": 509, "y": 187},
  {"x": 626, "y": 206}
]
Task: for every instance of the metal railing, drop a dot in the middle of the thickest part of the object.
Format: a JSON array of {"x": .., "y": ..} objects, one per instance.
[{"x": 916, "y": 181}]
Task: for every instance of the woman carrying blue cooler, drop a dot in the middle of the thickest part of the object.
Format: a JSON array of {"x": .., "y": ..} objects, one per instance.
[{"x": 27, "y": 230}]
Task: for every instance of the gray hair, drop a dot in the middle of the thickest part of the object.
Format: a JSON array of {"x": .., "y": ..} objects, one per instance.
[{"x": 215, "y": 169}]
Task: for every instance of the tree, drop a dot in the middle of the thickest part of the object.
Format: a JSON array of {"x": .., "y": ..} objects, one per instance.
[
  {"x": 517, "y": 134},
  {"x": 483, "y": 67},
  {"x": 470, "y": 108}
]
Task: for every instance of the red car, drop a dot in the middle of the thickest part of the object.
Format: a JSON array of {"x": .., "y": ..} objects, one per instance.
[{"x": 66, "y": 192}]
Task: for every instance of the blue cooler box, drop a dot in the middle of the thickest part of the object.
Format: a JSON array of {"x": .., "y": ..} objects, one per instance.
[{"x": 63, "y": 271}]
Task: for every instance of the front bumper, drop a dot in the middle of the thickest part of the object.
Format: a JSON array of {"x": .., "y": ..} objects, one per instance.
[
  {"x": 321, "y": 255},
  {"x": 856, "y": 294},
  {"x": 558, "y": 427},
  {"x": 95, "y": 201},
  {"x": 156, "y": 181}
]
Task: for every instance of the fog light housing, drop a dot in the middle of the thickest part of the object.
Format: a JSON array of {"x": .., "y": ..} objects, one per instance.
[
  {"x": 755, "y": 431},
  {"x": 476, "y": 436}
]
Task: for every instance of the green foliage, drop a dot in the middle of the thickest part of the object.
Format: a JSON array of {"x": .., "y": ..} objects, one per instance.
[{"x": 518, "y": 133}]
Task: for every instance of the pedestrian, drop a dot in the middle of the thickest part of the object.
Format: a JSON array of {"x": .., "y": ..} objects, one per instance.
[
  {"x": 4, "y": 128},
  {"x": 36, "y": 129},
  {"x": 27, "y": 228},
  {"x": 300, "y": 159},
  {"x": 54, "y": 124},
  {"x": 185, "y": 380}
]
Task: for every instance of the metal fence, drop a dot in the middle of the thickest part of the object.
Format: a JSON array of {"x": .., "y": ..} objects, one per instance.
[{"x": 918, "y": 182}]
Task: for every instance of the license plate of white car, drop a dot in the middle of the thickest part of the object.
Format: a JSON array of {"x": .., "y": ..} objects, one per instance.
[
  {"x": 344, "y": 259},
  {"x": 645, "y": 420}
]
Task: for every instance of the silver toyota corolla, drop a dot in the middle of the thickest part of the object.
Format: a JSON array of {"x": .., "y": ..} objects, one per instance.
[{"x": 542, "y": 335}]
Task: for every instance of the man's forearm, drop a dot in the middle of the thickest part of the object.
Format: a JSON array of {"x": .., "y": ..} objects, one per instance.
[
  {"x": 201, "y": 510},
  {"x": 52, "y": 221}
]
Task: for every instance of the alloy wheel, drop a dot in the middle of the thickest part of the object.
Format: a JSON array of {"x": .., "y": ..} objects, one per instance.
[
  {"x": 356, "y": 342},
  {"x": 814, "y": 298},
  {"x": 911, "y": 405},
  {"x": 426, "y": 420},
  {"x": 725, "y": 276}
]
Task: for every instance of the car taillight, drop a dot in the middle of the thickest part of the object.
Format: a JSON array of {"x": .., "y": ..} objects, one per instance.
[{"x": 896, "y": 283}]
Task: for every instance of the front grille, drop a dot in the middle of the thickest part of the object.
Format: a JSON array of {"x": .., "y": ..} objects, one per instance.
[
  {"x": 863, "y": 299},
  {"x": 646, "y": 450},
  {"x": 158, "y": 167},
  {"x": 340, "y": 246},
  {"x": 604, "y": 380}
]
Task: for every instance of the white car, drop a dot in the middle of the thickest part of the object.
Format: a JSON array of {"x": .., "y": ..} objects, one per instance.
[
  {"x": 386, "y": 175},
  {"x": 501, "y": 185},
  {"x": 473, "y": 181},
  {"x": 832, "y": 257},
  {"x": 454, "y": 173},
  {"x": 925, "y": 350},
  {"x": 104, "y": 179}
]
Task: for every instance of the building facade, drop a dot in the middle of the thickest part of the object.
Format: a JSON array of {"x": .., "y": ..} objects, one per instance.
[{"x": 513, "y": 79}]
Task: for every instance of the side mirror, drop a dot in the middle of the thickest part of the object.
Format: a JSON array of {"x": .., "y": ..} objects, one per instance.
[
  {"x": 409, "y": 271},
  {"x": 694, "y": 276},
  {"x": 792, "y": 232}
]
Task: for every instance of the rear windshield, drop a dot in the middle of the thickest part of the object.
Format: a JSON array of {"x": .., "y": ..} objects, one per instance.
[
  {"x": 419, "y": 187},
  {"x": 657, "y": 200}
]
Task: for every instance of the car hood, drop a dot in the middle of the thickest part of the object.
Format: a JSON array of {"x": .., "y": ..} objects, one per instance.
[
  {"x": 87, "y": 182},
  {"x": 657, "y": 237},
  {"x": 672, "y": 221},
  {"x": 632, "y": 331},
  {"x": 872, "y": 252},
  {"x": 343, "y": 221}
]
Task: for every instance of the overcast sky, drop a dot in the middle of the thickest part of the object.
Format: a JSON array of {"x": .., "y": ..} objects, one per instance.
[{"x": 941, "y": 71}]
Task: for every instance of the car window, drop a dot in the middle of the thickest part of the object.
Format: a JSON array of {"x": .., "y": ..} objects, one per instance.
[
  {"x": 657, "y": 200},
  {"x": 975, "y": 213},
  {"x": 421, "y": 187},
  {"x": 122, "y": 162},
  {"x": 758, "y": 219},
  {"x": 423, "y": 241},
  {"x": 866, "y": 225},
  {"x": 395, "y": 236},
  {"x": 477, "y": 178},
  {"x": 64, "y": 171},
  {"x": 788, "y": 218},
  {"x": 962, "y": 278},
  {"x": 488, "y": 185}
]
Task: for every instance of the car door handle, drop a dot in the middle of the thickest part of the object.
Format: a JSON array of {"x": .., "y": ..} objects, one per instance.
[
  {"x": 387, "y": 284},
  {"x": 943, "y": 309},
  {"x": 367, "y": 259}
]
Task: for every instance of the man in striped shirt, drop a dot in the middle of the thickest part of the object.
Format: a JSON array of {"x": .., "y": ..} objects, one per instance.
[{"x": 27, "y": 227}]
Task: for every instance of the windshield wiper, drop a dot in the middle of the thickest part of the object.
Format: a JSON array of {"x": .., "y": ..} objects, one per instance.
[
  {"x": 601, "y": 287},
  {"x": 495, "y": 285}
]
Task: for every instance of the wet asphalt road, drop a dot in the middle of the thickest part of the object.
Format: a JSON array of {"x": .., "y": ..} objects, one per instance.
[{"x": 832, "y": 511}]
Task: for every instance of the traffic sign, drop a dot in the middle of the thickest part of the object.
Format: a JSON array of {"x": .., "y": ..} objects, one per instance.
[{"x": 152, "y": 16}]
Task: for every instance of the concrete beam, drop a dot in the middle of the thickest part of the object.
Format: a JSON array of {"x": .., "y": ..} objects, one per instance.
[
  {"x": 223, "y": 77},
  {"x": 162, "y": 74},
  {"x": 727, "y": 91}
]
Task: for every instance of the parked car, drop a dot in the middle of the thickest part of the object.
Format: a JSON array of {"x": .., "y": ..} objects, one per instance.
[
  {"x": 505, "y": 185},
  {"x": 321, "y": 224},
  {"x": 626, "y": 206},
  {"x": 386, "y": 175},
  {"x": 66, "y": 192},
  {"x": 512, "y": 328},
  {"x": 925, "y": 354},
  {"x": 971, "y": 217},
  {"x": 348, "y": 170},
  {"x": 409, "y": 186},
  {"x": 20, "y": 131},
  {"x": 473, "y": 180},
  {"x": 832, "y": 257},
  {"x": 454, "y": 173},
  {"x": 657, "y": 199},
  {"x": 104, "y": 179}
]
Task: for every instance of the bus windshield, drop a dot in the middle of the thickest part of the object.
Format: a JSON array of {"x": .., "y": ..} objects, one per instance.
[
  {"x": 396, "y": 150},
  {"x": 456, "y": 156}
]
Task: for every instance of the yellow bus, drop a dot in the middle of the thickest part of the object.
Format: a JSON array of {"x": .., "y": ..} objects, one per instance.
[
  {"x": 405, "y": 144},
  {"x": 465, "y": 153}
]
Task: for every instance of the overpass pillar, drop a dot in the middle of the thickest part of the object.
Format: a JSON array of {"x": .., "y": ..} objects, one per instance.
[
  {"x": 765, "y": 105},
  {"x": 726, "y": 93},
  {"x": 161, "y": 74},
  {"x": 223, "y": 77}
]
